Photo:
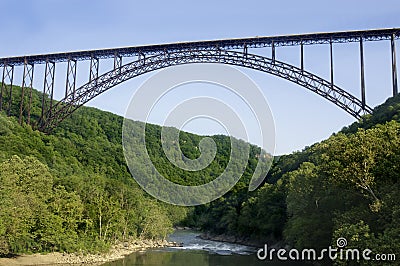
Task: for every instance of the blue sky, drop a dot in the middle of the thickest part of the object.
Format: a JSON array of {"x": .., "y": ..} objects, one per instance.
[{"x": 301, "y": 117}]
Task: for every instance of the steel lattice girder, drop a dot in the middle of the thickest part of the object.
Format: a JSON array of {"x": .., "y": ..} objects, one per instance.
[
  {"x": 6, "y": 90},
  {"x": 322, "y": 87},
  {"x": 227, "y": 44},
  {"x": 48, "y": 90},
  {"x": 27, "y": 82}
]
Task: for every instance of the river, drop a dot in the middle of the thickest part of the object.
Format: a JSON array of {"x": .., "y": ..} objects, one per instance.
[{"x": 197, "y": 252}]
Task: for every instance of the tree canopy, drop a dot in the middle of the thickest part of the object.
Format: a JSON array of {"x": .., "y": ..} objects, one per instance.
[{"x": 71, "y": 189}]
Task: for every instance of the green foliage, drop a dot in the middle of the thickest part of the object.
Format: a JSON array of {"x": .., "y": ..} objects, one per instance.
[
  {"x": 89, "y": 199},
  {"x": 388, "y": 111},
  {"x": 345, "y": 186},
  {"x": 310, "y": 205},
  {"x": 71, "y": 190},
  {"x": 348, "y": 189},
  {"x": 25, "y": 187}
]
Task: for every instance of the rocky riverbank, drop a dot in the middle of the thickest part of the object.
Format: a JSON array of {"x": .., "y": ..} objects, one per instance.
[{"x": 116, "y": 252}]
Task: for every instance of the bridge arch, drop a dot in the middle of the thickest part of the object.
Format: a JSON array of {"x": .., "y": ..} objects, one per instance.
[{"x": 108, "y": 80}]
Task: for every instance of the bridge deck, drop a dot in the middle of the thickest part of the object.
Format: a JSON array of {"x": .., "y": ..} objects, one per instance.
[{"x": 253, "y": 42}]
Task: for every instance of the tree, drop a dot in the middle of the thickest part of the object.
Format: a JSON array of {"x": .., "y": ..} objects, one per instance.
[
  {"x": 153, "y": 221},
  {"x": 310, "y": 206},
  {"x": 25, "y": 187}
]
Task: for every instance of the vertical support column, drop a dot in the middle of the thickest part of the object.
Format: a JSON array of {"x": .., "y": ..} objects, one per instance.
[
  {"x": 140, "y": 56},
  {"x": 394, "y": 67},
  {"x": 21, "y": 105},
  {"x": 217, "y": 48},
  {"x": 30, "y": 94},
  {"x": 2, "y": 90},
  {"x": 117, "y": 61},
  {"x": 94, "y": 68},
  {"x": 362, "y": 73},
  {"x": 48, "y": 88},
  {"x": 71, "y": 79},
  {"x": 8, "y": 77},
  {"x": 165, "y": 52},
  {"x": 302, "y": 56},
  {"x": 27, "y": 82},
  {"x": 273, "y": 52},
  {"x": 166, "y": 55},
  {"x": 331, "y": 53}
]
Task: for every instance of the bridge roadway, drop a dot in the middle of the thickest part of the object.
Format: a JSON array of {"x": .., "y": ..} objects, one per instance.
[{"x": 226, "y": 44}]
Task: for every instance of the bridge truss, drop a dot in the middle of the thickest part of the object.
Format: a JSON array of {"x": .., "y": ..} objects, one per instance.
[{"x": 152, "y": 57}]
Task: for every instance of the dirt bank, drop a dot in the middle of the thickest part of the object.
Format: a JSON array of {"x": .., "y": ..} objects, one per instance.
[{"x": 116, "y": 252}]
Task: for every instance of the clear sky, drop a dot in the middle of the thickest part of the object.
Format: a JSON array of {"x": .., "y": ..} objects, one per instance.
[{"x": 301, "y": 117}]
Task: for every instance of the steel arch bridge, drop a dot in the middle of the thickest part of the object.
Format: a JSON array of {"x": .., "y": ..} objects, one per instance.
[{"x": 153, "y": 57}]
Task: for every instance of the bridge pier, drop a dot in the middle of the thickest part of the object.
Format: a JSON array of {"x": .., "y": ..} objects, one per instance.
[
  {"x": 8, "y": 77},
  {"x": 394, "y": 67},
  {"x": 71, "y": 78},
  {"x": 48, "y": 89},
  {"x": 94, "y": 68},
  {"x": 273, "y": 51},
  {"x": 27, "y": 82},
  {"x": 117, "y": 61},
  {"x": 302, "y": 56},
  {"x": 331, "y": 55},
  {"x": 142, "y": 58},
  {"x": 362, "y": 72}
]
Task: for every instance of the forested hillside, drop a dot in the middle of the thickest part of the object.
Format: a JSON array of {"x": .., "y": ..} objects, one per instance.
[
  {"x": 71, "y": 189},
  {"x": 346, "y": 186}
]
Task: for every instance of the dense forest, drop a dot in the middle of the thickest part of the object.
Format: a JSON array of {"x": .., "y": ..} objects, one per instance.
[
  {"x": 71, "y": 189},
  {"x": 346, "y": 186}
]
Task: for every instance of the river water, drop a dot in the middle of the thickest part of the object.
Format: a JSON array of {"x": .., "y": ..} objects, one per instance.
[{"x": 197, "y": 252}]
